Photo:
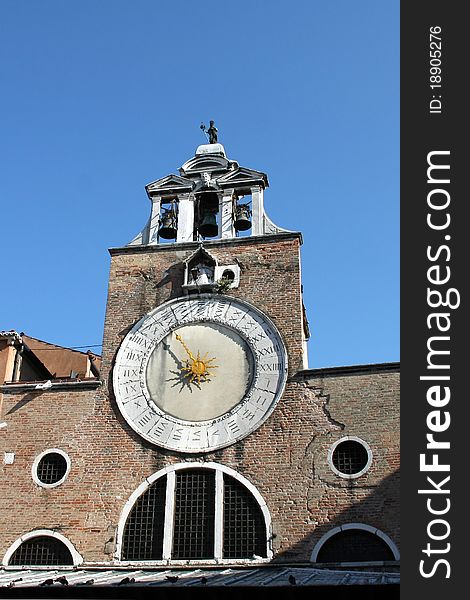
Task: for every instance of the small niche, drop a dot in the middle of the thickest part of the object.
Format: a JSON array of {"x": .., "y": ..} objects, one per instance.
[{"x": 200, "y": 270}]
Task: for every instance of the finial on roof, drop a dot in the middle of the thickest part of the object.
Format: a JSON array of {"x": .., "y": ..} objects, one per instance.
[{"x": 211, "y": 132}]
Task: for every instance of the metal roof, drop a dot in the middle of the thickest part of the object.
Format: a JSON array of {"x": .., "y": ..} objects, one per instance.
[{"x": 259, "y": 576}]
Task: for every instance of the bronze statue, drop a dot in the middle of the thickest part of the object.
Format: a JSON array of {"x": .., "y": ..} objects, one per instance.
[{"x": 211, "y": 132}]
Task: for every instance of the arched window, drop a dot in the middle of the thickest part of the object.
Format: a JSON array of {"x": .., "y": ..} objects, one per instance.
[
  {"x": 143, "y": 537},
  {"x": 354, "y": 542},
  {"x": 41, "y": 550},
  {"x": 195, "y": 513},
  {"x": 42, "y": 547},
  {"x": 244, "y": 527}
]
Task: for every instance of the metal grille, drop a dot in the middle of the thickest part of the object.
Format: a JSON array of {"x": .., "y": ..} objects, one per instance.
[
  {"x": 193, "y": 535},
  {"x": 354, "y": 545},
  {"x": 244, "y": 526},
  {"x": 350, "y": 457},
  {"x": 41, "y": 550},
  {"x": 143, "y": 533},
  {"x": 51, "y": 468}
]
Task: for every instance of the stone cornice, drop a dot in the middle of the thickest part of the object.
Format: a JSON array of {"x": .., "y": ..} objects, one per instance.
[
  {"x": 368, "y": 369},
  {"x": 18, "y": 387},
  {"x": 267, "y": 238}
]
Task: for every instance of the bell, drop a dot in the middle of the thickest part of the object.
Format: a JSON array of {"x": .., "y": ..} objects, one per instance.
[
  {"x": 208, "y": 226},
  {"x": 242, "y": 217},
  {"x": 208, "y": 200},
  {"x": 167, "y": 229}
]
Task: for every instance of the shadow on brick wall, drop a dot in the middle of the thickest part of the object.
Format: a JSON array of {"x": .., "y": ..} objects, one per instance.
[{"x": 380, "y": 509}]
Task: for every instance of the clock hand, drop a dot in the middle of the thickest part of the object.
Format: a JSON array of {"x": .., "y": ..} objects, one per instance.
[
  {"x": 180, "y": 339},
  {"x": 199, "y": 369}
]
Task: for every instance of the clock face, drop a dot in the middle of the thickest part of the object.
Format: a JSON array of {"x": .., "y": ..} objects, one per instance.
[{"x": 199, "y": 374}]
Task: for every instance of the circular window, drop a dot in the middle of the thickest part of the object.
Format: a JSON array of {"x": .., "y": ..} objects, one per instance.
[
  {"x": 51, "y": 468},
  {"x": 350, "y": 457}
]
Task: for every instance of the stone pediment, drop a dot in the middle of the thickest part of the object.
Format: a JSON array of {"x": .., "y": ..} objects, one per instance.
[
  {"x": 201, "y": 253},
  {"x": 243, "y": 176},
  {"x": 205, "y": 163},
  {"x": 169, "y": 185}
]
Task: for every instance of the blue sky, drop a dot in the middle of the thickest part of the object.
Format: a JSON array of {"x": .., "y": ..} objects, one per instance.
[{"x": 100, "y": 98}]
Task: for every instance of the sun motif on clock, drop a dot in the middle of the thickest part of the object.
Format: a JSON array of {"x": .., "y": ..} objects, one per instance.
[{"x": 199, "y": 368}]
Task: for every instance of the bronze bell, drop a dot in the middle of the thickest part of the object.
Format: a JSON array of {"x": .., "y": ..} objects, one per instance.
[
  {"x": 208, "y": 227},
  {"x": 167, "y": 229},
  {"x": 208, "y": 200},
  {"x": 242, "y": 220}
]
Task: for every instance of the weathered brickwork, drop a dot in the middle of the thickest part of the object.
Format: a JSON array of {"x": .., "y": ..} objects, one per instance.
[
  {"x": 144, "y": 277},
  {"x": 363, "y": 404},
  {"x": 285, "y": 459}
]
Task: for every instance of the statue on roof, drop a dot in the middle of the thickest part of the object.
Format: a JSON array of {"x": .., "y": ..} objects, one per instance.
[{"x": 211, "y": 132}]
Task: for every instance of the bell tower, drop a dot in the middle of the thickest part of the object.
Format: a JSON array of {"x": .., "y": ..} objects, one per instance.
[
  {"x": 208, "y": 232},
  {"x": 204, "y": 329},
  {"x": 205, "y": 443},
  {"x": 211, "y": 198}
]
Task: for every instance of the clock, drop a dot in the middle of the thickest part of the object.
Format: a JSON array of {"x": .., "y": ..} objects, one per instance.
[{"x": 199, "y": 374}]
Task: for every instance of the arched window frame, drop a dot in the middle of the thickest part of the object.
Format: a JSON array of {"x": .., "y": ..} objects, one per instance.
[
  {"x": 383, "y": 536},
  {"x": 76, "y": 557},
  {"x": 170, "y": 472}
]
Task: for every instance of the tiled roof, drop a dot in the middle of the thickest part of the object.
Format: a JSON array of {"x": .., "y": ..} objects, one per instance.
[
  {"x": 59, "y": 360},
  {"x": 259, "y": 576}
]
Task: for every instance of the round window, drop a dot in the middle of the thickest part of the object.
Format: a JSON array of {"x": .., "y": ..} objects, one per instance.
[
  {"x": 51, "y": 468},
  {"x": 350, "y": 457}
]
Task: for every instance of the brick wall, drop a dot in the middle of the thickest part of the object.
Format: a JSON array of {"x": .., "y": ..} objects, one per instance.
[
  {"x": 362, "y": 403},
  {"x": 285, "y": 458},
  {"x": 143, "y": 277}
]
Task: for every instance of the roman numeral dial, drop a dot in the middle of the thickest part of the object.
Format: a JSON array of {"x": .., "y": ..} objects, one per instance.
[{"x": 195, "y": 375}]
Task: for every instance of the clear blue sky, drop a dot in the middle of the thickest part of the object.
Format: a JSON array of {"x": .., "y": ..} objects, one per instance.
[{"x": 100, "y": 98}]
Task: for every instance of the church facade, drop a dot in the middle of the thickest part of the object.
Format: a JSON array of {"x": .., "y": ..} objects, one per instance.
[{"x": 205, "y": 440}]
